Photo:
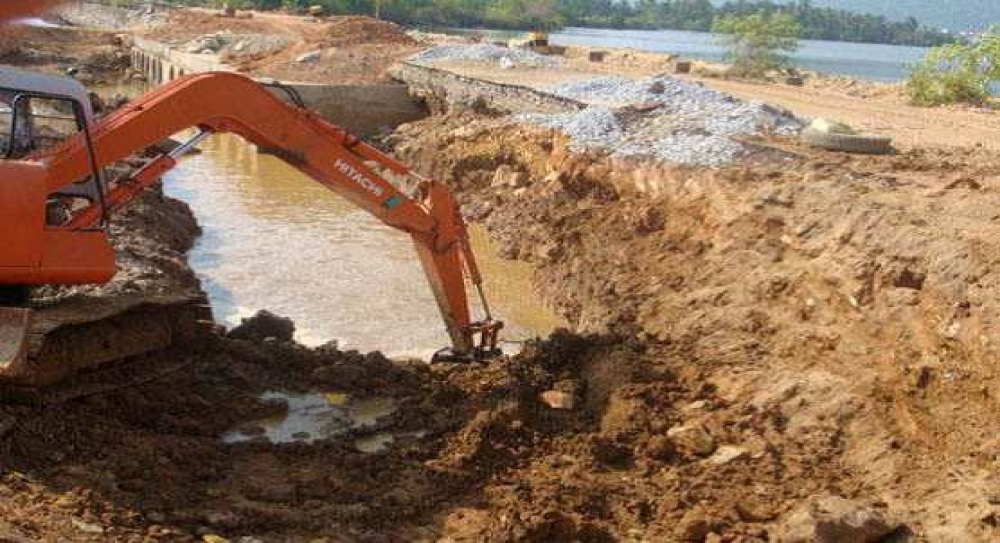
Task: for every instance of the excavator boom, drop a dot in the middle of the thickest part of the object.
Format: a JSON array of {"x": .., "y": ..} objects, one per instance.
[{"x": 76, "y": 251}]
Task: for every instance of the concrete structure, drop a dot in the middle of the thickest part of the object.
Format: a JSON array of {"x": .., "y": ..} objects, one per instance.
[
  {"x": 161, "y": 63},
  {"x": 364, "y": 110},
  {"x": 442, "y": 90}
]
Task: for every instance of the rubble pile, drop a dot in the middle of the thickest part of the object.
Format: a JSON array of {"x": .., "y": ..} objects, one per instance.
[
  {"x": 354, "y": 30},
  {"x": 235, "y": 44}
]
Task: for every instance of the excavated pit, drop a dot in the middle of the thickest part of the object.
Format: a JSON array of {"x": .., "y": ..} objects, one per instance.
[{"x": 744, "y": 375}]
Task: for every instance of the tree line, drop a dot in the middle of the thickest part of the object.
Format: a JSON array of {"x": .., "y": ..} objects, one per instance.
[{"x": 814, "y": 22}]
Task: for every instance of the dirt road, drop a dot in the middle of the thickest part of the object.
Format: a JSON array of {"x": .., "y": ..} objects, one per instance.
[{"x": 910, "y": 126}]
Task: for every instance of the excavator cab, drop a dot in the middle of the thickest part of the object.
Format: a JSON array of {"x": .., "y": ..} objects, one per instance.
[{"x": 37, "y": 114}]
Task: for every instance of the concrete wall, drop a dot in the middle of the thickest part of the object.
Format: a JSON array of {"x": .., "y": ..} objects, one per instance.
[
  {"x": 443, "y": 90},
  {"x": 162, "y": 64},
  {"x": 364, "y": 110}
]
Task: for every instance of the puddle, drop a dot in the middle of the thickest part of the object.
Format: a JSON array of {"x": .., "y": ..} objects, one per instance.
[
  {"x": 380, "y": 442},
  {"x": 37, "y": 22},
  {"x": 374, "y": 444},
  {"x": 313, "y": 417}
]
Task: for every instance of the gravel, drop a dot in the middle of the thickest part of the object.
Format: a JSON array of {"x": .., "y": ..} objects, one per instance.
[
  {"x": 485, "y": 53},
  {"x": 673, "y": 120},
  {"x": 591, "y": 127}
]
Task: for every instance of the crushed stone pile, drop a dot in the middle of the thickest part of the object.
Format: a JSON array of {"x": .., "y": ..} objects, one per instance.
[
  {"x": 663, "y": 118},
  {"x": 484, "y": 53}
]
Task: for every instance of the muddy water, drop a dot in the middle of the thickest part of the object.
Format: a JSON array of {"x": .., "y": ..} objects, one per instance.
[
  {"x": 315, "y": 416},
  {"x": 274, "y": 239}
]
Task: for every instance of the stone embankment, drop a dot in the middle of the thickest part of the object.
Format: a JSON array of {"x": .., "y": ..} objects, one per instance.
[{"x": 661, "y": 118}]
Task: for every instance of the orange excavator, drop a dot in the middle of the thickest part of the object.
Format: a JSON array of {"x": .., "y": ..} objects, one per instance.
[{"x": 55, "y": 196}]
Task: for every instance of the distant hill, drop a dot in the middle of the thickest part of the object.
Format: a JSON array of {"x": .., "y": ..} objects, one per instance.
[{"x": 954, "y": 15}]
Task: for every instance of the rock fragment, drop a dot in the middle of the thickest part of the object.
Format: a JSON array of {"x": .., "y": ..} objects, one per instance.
[
  {"x": 311, "y": 56},
  {"x": 265, "y": 326},
  {"x": 727, "y": 454},
  {"x": 692, "y": 438},
  {"x": 832, "y": 519},
  {"x": 557, "y": 399},
  {"x": 87, "y": 527}
]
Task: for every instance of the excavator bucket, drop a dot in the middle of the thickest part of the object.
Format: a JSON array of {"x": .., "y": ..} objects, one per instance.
[{"x": 14, "y": 325}]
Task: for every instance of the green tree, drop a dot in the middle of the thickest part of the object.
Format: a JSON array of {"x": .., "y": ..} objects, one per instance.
[
  {"x": 758, "y": 42},
  {"x": 816, "y": 22},
  {"x": 957, "y": 73}
]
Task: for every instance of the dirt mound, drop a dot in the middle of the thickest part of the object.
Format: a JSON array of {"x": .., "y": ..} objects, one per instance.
[
  {"x": 356, "y": 30},
  {"x": 53, "y": 50},
  {"x": 151, "y": 239},
  {"x": 186, "y": 24}
]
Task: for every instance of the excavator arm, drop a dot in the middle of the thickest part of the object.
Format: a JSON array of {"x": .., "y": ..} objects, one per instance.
[{"x": 231, "y": 103}]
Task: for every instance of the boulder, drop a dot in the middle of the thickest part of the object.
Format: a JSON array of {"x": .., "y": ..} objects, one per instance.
[
  {"x": 692, "y": 439},
  {"x": 265, "y": 326},
  {"x": 311, "y": 56},
  {"x": 832, "y": 519}
]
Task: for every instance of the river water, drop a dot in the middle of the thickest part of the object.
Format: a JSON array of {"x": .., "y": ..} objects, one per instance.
[
  {"x": 863, "y": 60},
  {"x": 274, "y": 239}
]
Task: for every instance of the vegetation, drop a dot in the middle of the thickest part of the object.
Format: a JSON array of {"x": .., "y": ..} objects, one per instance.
[
  {"x": 815, "y": 22},
  {"x": 757, "y": 42},
  {"x": 957, "y": 73}
]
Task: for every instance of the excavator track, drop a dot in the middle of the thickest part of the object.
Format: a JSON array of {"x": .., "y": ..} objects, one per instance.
[{"x": 69, "y": 354}]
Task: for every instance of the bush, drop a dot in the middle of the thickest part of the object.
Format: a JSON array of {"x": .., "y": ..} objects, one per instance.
[
  {"x": 757, "y": 42},
  {"x": 957, "y": 73}
]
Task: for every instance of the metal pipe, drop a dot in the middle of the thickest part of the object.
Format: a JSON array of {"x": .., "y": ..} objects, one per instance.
[
  {"x": 183, "y": 148},
  {"x": 482, "y": 298}
]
